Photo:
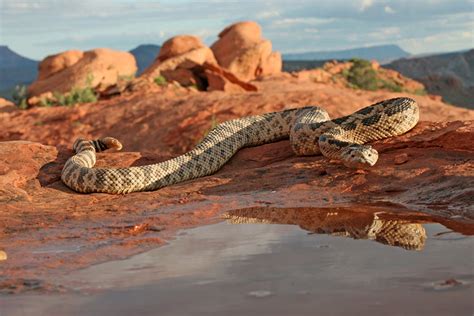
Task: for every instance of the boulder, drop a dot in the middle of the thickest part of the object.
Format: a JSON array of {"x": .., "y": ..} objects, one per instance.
[
  {"x": 186, "y": 60},
  {"x": 99, "y": 69},
  {"x": 55, "y": 63},
  {"x": 179, "y": 45},
  {"x": 6, "y": 105},
  {"x": 221, "y": 79},
  {"x": 241, "y": 50},
  {"x": 179, "y": 60}
]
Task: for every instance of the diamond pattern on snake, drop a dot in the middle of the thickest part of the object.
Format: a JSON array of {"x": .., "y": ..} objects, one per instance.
[
  {"x": 404, "y": 233},
  {"x": 310, "y": 129}
]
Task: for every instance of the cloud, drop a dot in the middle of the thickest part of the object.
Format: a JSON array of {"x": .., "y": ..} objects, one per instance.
[
  {"x": 311, "y": 30},
  {"x": 24, "y": 6},
  {"x": 389, "y": 10},
  {"x": 365, "y": 4},
  {"x": 387, "y": 34},
  {"x": 42, "y": 27},
  {"x": 267, "y": 14},
  {"x": 301, "y": 21}
]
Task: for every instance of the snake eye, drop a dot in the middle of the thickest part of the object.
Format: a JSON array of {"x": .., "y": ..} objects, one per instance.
[
  {"x": 352, "y": 156},
  {"x": 370, "y": 155}
]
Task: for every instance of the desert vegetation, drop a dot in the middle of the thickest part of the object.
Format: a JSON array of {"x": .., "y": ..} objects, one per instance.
[{"x": 362, "y": 75}]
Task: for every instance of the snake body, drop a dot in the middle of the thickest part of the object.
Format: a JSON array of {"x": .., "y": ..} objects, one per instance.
[
  {"x": 364, "y": 225},
  {"x": 310, "y": 130}
]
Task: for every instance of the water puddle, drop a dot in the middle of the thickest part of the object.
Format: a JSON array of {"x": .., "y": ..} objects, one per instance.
[{"x": 283, "y": 262}]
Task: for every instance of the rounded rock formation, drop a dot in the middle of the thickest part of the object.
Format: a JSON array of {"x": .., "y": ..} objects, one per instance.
[
  {"x": 179, "y": 45},
  {"x": 186, "y": 60},
  {"x": 241, "y": 50},
  {"x": 55, "y": 63},
  {"x": 99, "y": 69}
]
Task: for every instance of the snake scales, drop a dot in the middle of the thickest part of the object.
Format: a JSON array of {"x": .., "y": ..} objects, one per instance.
[
  {"x": 403, "y": 233},
  {"x": 310, "y": 130}
]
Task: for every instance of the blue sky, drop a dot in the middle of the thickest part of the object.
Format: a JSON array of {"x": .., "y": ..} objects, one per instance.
[{"x": 39, "y": 28}]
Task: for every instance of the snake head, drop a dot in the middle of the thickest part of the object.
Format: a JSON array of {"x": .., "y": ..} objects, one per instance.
[{"x": 359, "y": 156}]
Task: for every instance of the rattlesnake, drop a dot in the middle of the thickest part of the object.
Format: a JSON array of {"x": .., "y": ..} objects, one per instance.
[
  {"x": 358, "y": 225},
  {"x": 310, "y": 130}
]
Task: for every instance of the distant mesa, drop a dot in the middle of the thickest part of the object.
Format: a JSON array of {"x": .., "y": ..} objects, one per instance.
[
  {"x": 14, "y": 70},
  {"x": 240, "y": 55},
  {"x": 381, "y": 53},
  {"x": 450, "y": 75},
  {"x": 145, "y": 55}
]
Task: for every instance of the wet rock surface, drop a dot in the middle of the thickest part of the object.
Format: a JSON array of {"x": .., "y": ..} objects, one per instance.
[
  {"x": 278, "y": 261},
  {"x": 48, "y": 229},
  {"x": 46, "y": 226}
]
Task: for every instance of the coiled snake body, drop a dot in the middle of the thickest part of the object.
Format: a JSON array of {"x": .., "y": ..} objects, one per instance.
[{"x": 310, "y": 130}]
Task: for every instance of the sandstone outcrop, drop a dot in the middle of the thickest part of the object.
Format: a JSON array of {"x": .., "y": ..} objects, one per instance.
[
  {"x": 186, "y": 60},
  {"x": 425, "y": 172},
  {"x": 241, "y": 50},
  {"x": 333, "y": 72},
  {"x": 98, "y": 69},
  {"x": 172, "y": 120},
  {"x": 55, "y": 63},
  {"x": 449, "y": 75},
  {"x": 6, "y": 105}
]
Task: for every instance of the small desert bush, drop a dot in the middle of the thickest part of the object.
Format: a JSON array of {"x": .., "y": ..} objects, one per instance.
[
  {"x": 160, "y": 80},
  {"x": 421, "y": 92},
  {"x": 361, "y": 75},
  {"x": 75, "y": 96},
  {"x": 20, "y": 97}
]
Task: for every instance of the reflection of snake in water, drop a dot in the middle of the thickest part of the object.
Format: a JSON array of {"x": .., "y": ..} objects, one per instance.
[
  {"x": 310, "y": 130},
  {"x": 358, "y": 225}
]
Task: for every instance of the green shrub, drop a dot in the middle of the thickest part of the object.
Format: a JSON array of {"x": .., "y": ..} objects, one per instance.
[
  {"x": 75, "y": 96},
  {"x": 361, "y": 75},
  {"x": 391, "y": 85},
  {"x": 20, "y": 97},
  {"x": 125, "y": 77},
  {"x": 422, "y": 91},
  {"x": 160, "y": 80}
]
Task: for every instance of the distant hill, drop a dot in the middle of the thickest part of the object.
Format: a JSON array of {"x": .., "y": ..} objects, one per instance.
[
  {"x": 381, "y": 53},
  {"x": 15, "y": 70},
  {"x": 145, "y": 55},
  {"x": 297, "y": 65},
  {"x": 450, "y": 75}
]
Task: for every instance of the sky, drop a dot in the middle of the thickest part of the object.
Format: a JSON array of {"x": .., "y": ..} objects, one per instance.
[{"x": 36, "y": 29}]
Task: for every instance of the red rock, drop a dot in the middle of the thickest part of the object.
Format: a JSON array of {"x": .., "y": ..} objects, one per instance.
[
  {"x": 220, "y": 79},
  {"x": 187, "y": 61},
  {"x": 333, "y": 72},
  {"x": 34, "y": 203},
  {"x": 98, "y": 68},
  {"x": 401, "y": 159},
  {"x": 6, "y": 106},
  {"x": 241, "y": 50},
  {"x": 375, "y": 65},
  {"x": 55, "y": 63},
  {"x": 172, "y": 120},
  {"x": 179, "y": 45}
]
